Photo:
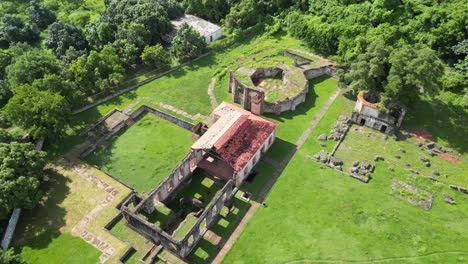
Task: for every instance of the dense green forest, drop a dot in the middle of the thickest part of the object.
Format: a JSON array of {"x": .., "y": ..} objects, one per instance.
[{"x": 56, "y": 55}]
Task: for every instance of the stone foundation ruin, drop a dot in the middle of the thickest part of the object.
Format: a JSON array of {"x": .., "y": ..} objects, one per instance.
[
  {"x": 384, "y": 116},
  {"x": 226, "y": 153},
  {"x": 246, "y": 87}
]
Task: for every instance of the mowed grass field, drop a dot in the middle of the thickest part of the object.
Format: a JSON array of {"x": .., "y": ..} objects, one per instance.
[
  {"x": 319, "y": 215},
  {"x": 44, "y": 234},
  {"x": 145, "y": 153},
  {"x": 292, "y": 124}
]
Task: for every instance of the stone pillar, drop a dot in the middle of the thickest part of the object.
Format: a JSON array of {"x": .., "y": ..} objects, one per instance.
[{"x": 257, "y": 104}]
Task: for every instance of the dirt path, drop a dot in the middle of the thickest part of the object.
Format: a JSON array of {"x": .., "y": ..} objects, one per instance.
[
  {"x": 211, "y": 87},
  {"x": 379, "y": 260},
  {"x": 279, "y": 169},
  {"x": 80, "y": 229}
]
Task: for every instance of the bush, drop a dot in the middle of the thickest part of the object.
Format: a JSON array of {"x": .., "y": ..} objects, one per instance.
[{"x": 155, "y": 57}]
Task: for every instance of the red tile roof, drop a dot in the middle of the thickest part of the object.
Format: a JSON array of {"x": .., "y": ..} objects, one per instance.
[{"x": 244, "y": 138}]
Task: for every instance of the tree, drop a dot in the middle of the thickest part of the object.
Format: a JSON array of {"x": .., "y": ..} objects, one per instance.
[
  {"x": 413, "y": 70},
  {"x": 96, "y": 72},
  {"x": 213, "y": 10},
  {"x": 31, "y": 65},
  {"x": 14, "y": 30},
  {"x": 154, "y": 16},
  {"x": 187, "y": 44},
  {"x": 57, "y": 84},
  {"x": 243, "y": 15},
  {"x": 43, "y": 113},
  {"x": 21, "y": 172},
  {"x": 130, "y": 40},
  {"x": 5, "y": 92},
  {"x": 6, "y": 57},
  {"x": 9, "y": 257},
  {"x": 40, "y": 15},
  {"x": 370, "y": 70},
  {"x": 155, "y": 57},
  {"x": 63, "y": 36}
]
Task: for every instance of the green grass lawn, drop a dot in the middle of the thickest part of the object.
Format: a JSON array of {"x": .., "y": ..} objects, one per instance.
[
  {"x": 318, "y": 215},
  {"x": 138, "y": 242},
  {"x": 375, "y": 144},
  {"x": 292, "y": 124},
  {"x": 46, "y": 249},
  {"x": 44, "y": 233},
  {"x": 145, "y": 153}
]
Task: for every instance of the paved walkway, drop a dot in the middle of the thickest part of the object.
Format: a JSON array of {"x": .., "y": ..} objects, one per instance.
[{"x": 279, "y": 169}]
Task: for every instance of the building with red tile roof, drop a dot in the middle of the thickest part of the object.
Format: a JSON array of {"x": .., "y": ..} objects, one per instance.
[{"x": 235, "y": 142}]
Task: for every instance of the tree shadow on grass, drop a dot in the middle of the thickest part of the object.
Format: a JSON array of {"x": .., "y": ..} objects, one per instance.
[
  {"x": 37, "y": 227},
  {"x": 443, "y": 121},
  {"x": 206, "y": 251}
]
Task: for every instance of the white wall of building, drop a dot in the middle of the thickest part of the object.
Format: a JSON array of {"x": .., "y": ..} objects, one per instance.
[
  {"x": 240, "y": 176},
  {"x": 214, "y": 36}
]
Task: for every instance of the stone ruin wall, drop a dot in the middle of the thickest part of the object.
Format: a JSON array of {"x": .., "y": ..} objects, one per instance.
[
  {"x": 175, "y": 120},
  {"x": 314, "y": 73},
  {"x": 185, "y": 245},
  {"x": 165, "y": 191},
  {"x": 288, "y": 104},
  {"x": 375, "y": 118},
  {"x": 373, "y": 122},
  {"x": 240, "y": 92},
  {"x": 129, "y": 121},
  {"x": 168, "y": 187},
  {"x": 207, "y": 218}
]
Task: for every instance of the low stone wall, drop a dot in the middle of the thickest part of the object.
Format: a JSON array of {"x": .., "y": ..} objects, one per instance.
[
  {"x": 129, "y": 122},
  {"x": 288, "y": 104},
  {"x": 175, "y": 120},
  {"x": 103, "y": 139},
  {"x": 314, "y": 73},
  {"x": 8, "y": 236},
  {"x": 99, "y": 122}
]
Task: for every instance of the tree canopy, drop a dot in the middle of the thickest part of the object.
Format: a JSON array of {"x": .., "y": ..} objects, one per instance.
[
  {"x": 21, "y": 172},
  {"x": 187, "y": 44},
  {"x": 31, "y": 65},
  {"x": 13, "y": 30},
  {"x": 96, "y": 72},
  {"x": 63, "y": 36},
  {"x": 155, "y": 57},
  {"x": 40, "y": 15},
  {"x": 43, "y": 113}
]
